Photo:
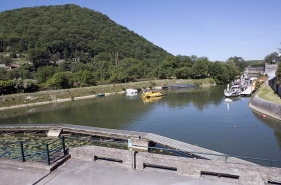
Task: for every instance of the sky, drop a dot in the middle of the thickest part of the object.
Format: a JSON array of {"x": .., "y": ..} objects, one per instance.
[{"x": 217, "y": 29}]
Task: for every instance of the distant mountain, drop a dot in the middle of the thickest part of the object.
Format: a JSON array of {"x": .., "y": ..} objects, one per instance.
[{"x": 68, "y": 29}]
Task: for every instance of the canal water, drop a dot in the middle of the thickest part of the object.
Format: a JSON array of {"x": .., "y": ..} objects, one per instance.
[{"x": 197, "y": 116}]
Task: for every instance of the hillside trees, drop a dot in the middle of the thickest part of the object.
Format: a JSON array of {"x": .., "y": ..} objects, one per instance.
[
  {"x": 239, "y": 62},
  {"x": 270, "y": 57}
]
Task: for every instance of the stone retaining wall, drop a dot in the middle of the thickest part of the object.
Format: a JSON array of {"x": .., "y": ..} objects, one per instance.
[
  {"x": 266, "y": 107},
  {"x": 247, "y": 174},
  {"x": 276, "y": 88}
]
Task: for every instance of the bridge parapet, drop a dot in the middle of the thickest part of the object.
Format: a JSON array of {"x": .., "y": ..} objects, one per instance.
[{"x": 231, "y": 172}]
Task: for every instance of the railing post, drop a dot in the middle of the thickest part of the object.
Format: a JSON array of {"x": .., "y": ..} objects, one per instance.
[
  {"x": 63, "y": 145},
  {"x": 226, "y": 158},
  {"x": 21, "y": 152},
  {"x": 47, "y": 154}
]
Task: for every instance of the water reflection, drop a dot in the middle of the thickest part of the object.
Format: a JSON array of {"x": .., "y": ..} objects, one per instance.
[
  {"x": 272, "y": 123},
  {"x": 193, "y": 115}
]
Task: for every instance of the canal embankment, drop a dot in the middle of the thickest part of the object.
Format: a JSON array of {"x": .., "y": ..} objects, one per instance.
[
  {"x": 20, "y": 100},
  {"x": 266, "y": 102}
]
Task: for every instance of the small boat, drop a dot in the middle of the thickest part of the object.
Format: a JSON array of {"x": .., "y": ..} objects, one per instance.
[
  {"x": 152, "y": 94},
  {"x": 177, "y": 86},
  {"x": 132, "y": 91},
  {"x": 131, "y": 94},
  {"x": 99, "y": 95},
  {"x": 235, "y": 90},
  {"x": 149, "y": 100}
]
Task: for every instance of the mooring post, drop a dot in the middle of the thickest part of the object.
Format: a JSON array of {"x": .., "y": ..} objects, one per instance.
[
  {"x": 21, "y": 152},
  {"x": 47, "y": 154},
  {"x": 226, "y": 158},
  {"x": 130, "y": 145},
  {"x": 63, "y": 146}
]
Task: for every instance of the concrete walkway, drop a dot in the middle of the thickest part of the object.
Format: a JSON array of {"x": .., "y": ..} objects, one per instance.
[
  {"x": 13, "y": 176},
  {"x": 82, "y": 172},
  {"x": 77, "y": 172}
]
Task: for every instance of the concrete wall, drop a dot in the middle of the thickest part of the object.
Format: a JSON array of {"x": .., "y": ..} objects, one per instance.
[
  {"x": 91, "y": 153},
  {"x": 276, "y": 88},
  {"x": 254, "y": 69},
  {"x": 266, "y": 107},
  {"x": 248, "y": 174}
]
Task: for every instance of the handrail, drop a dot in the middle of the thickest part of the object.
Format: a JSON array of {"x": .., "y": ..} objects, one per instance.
[
  {"x": 94, "y": 140},
  {"x": 49, "y": 150},
  {"x": 44, "y": 153},
  {"x": 222, "y": 155}
]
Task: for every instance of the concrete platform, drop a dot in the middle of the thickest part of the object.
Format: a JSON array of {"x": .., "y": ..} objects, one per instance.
[
  {"x": 82, "y": 172},
  {"x": 33, "y": 165},
  {"x": 14, "y": 175}
]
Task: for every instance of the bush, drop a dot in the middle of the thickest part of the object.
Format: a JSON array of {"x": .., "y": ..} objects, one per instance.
[
  {"x": 7, "y": 87},
  {"x": 60, "y": 80},
  {"x": 152, "y": 84},
  {"x": 30, "y": 86}
]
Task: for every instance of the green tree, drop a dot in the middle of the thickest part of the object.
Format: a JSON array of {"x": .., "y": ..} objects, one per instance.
[
  {"x": 278, "y": 72},
  {"x": 200, "y": 68},
  {"x": 86, "y": 76},
  {"x": 7, "y": 61},
  {"x": 44, "y": 73},
  {"x": 183, "y": 73},
  {"x": 238, "y": 61},
  {"x": 7, "y": 87},
  {"x": 60, "y": 80},
  {"x": 218, "y": 71},
  {"x": 269, "y": 58},
  {"x": 38, "y": 56}
]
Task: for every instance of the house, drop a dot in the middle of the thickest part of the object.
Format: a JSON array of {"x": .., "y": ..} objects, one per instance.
[{"x": 12, "y": 66}]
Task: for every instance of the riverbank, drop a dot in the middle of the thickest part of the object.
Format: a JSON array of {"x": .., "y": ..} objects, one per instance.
[
  {"x": 266, "y": 102},
  {"x": 13, "y": 101}
]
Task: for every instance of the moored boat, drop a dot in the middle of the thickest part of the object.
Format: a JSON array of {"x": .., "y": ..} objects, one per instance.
[
  {"x": 234, "y": 90},
  {"x": 131, "y": 91},
  {"x": 99, "y": 95},
  {"x": 177, "y": 86},
  {"x": 152, "y": 94}
]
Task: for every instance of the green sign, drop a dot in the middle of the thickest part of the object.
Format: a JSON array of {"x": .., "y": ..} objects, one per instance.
[{"x": 130, "y": 144}]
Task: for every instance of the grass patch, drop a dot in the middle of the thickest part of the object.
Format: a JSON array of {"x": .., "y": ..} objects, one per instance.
[{"x": 268, "y": 94}]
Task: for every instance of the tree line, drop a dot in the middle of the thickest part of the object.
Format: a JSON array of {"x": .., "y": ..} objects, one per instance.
[{"x": 69, "y": 46}]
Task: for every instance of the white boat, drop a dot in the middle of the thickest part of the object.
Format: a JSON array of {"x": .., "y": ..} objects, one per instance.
[
  {"x": 131, "y": 91},
  {"x": 131, "y": 94},
  {"x": 235, "y": 90},
  {"x": 227, "y": 100}
]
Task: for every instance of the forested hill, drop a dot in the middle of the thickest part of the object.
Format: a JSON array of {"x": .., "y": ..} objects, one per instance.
[{"x": 66, "y": 30}]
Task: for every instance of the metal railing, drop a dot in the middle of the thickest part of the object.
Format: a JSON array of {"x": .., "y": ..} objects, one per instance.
[
  {"x": 183, "y": 153},
  {"x": 53, "y": 151},
  {"x": 49, "y": 152},
  {"x": 225, "y": 157},
  {"x": 100, "y": 142}
]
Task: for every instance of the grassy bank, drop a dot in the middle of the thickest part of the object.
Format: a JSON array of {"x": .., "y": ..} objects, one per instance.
[
  {"x": 55, "y": 95},
  {"x": 268, "y": 94}
]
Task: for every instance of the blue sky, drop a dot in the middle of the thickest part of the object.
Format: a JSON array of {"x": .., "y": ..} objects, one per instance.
[{"x": 217, "y": 29}]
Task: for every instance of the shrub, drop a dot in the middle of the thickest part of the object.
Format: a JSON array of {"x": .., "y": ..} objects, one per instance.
[{"x": 7, "y": 87}]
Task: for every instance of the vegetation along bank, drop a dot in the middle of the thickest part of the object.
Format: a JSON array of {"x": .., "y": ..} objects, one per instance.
[{"x": 53, "y": 96}]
